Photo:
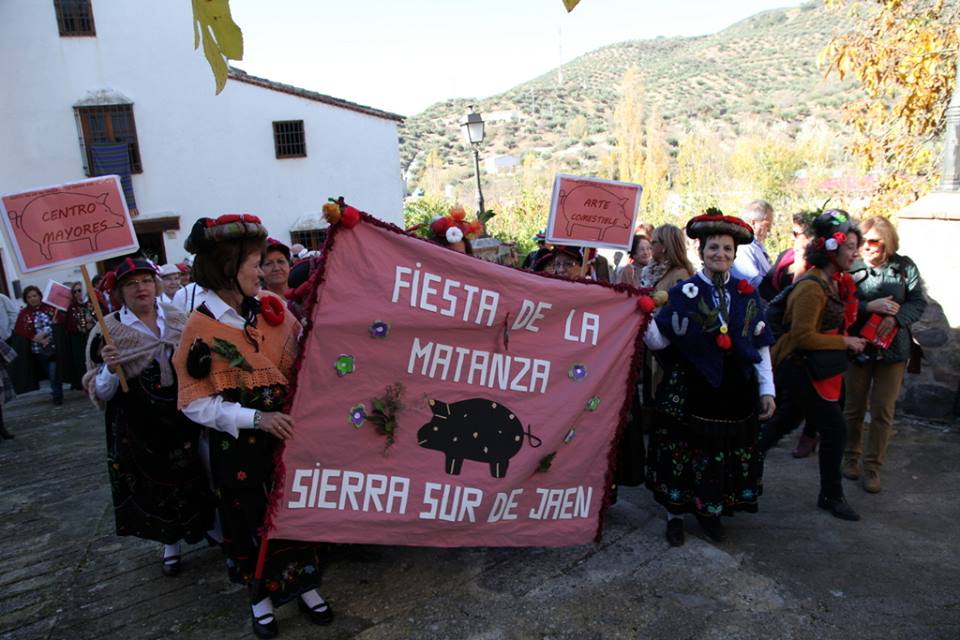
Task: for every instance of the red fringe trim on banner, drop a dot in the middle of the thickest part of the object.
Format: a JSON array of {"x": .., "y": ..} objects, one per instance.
[{"x": 317, "y": 279}]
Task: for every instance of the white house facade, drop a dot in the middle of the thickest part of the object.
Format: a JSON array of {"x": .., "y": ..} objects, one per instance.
[{"x": 128, "y": 74}]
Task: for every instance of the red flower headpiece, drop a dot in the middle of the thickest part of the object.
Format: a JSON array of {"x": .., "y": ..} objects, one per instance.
[
  {"x": 713, "y": 222},
  {"x": 338, "y": 211},
  {"x": 451, "y": 228}
]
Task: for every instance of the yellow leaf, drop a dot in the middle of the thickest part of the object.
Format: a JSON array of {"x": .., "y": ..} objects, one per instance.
[
  {"x": 222, "y": 38},
  {"x": 570, "y": 4}
]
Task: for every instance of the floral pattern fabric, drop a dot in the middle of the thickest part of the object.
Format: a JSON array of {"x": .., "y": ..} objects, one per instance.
[{"x": 703, "y": 456}]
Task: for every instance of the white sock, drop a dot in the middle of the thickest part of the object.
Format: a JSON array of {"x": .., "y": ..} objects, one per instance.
[
  {"x": 314, "y": 600},
  {"x": 264, "y": 608},
  {"x": 170, "y": 550}
]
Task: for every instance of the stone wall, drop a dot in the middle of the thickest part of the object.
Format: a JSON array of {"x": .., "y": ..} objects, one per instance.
[{"x": 929, "y": 233}]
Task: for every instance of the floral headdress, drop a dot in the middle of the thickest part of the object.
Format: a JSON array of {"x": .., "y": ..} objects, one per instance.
[
  {"x": 713, "y": 223},
  {"x": 831, "y": 228},
  {"x": 450, "y": 228},
  {"x": 206, "y": 232}
]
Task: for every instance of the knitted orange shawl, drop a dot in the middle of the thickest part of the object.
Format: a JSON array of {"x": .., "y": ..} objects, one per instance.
[{"x": 272, "y": 364}]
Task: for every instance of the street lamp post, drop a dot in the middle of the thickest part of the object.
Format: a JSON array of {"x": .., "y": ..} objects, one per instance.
[{"x": 473, "y": 131}]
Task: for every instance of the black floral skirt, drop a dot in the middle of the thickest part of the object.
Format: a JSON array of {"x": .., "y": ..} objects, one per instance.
[
  {"x": 160, "y": 491},
  {"x": 702, "y": 456}
]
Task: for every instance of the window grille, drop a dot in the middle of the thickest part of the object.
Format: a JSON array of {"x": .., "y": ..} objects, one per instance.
[
  {"x": 312, "y": 239},
  {"x": 74, "y": 17},
  {"x": 107, "y": 123},
  {"x": 288, "y": 139}
]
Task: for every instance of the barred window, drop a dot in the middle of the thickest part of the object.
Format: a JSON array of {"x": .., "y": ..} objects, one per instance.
[
  {"x": 108, "y": 124},
  {"x": 74, "y": 17},
  {"x": 312, "y": 239},
  {"x": 288, "y": 139}
]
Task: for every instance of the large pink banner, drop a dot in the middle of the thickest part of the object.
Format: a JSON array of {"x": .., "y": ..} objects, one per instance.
[{"x": 514, "y": 388}]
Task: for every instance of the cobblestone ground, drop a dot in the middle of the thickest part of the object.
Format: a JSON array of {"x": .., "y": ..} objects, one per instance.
[{"x": 790, "y": 571}]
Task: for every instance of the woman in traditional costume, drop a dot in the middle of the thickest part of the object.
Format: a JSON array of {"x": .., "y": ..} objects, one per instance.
[
  {"x": 714, "y": 348},
  {"x": 156, "y": 476},
  {"x": 234, "y": 367}
]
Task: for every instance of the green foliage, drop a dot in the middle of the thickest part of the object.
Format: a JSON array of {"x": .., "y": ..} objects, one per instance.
[{"x": 421, "y": 211}]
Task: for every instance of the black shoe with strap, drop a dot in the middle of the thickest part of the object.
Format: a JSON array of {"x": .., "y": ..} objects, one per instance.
[
  {"x": 318, "y": 614},
  {"x": 839, "y": 507},
  {"x": 712, "y": 526},
  {"x": 675, "y": 534},
  {"x": 264, "y": 626}
]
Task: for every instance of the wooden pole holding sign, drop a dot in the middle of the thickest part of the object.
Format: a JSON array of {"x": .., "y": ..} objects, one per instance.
[{"x": 103, "y": 325}]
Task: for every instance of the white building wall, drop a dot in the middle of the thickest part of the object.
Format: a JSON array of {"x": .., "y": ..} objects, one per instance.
[{"x": 202, "y": 154}]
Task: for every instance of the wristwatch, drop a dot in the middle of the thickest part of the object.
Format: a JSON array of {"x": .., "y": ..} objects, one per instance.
[{"x": 257, "y": 419}]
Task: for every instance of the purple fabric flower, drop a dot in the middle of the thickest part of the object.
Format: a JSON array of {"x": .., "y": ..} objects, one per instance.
[
  {"x": 358, "y": 415},
  {"x": 577, "y": 372},
  {"x": 379, "y": 329}
]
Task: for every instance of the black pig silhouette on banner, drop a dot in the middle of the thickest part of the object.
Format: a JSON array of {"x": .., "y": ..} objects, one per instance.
[{"x": 474, "y": 429}]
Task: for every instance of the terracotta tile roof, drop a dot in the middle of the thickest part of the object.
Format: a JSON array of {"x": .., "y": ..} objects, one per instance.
[{"x": 242, "y": 76}]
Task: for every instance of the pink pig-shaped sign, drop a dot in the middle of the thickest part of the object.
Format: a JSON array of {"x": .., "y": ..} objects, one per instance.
[
  {"x": 590, "y": 212},
  {"x": 69, "y": 224}
]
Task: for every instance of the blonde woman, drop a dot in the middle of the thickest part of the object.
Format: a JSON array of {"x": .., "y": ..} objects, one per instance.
[
  {"x": 891, "y": 297},
  {"x": 670, "y": 264}
]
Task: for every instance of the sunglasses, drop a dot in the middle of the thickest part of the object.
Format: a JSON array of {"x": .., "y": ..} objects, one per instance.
[{"x": 873, "y": 242}]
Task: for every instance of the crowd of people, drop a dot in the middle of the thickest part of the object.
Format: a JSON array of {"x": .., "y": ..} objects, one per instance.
[{"x": 741, "y": 351}]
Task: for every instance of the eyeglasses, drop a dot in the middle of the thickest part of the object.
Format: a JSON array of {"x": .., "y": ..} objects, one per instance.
[
  {"x": 133, "y": 284},
  {"x": 77, "y": 290}
]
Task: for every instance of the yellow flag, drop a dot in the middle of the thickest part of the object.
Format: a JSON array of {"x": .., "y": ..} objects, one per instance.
[
  {"x": 222, "y": 38},
  {"x": 570, "y": 4}
]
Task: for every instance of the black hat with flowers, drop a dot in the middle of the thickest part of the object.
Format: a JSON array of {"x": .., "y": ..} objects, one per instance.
[
  {"x": 275, "y": 245},
  {"x": 544, "y": 260},
  {"x": 713, "y": 222},
  {"x": 134, "y": 265}
]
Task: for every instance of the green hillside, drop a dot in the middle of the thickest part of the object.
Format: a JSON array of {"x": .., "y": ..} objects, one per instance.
[{"x": 762, "y": 69}]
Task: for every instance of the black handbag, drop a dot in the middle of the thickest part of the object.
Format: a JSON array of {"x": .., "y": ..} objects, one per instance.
[{"x": 825, "y": 363}]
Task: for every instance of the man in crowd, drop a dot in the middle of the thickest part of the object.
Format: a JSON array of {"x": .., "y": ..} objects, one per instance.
[{"x": 752, "y": 261}]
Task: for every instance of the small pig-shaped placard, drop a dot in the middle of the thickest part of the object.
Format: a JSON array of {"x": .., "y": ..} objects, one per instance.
[{"x": 474, "y": 429}]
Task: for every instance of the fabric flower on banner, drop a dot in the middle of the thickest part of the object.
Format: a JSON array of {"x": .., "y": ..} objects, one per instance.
[
  {"x": 690, "y": 290},
  {"x": 567, "y": 439},
  {"x": 646, "y": 304},
  {"x": 344, "y": 365},
  {"x": 358, "y": 415},
  {"x": 379, "y": 329},
  {"x": 453, "y": 235},
  {"x": 757, "y": 330},
  {"x": 350, "y": 217},
  {"x": 744, "y": 288},
  {"x": 577, "y": 372},
  {"x": 331, "y": 211},
  {"x": 593, "y": 403},
  {"x": 241, "y": 475}
]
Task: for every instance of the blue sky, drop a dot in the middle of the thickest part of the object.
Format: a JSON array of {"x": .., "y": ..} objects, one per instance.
[{"x": 403, "y": 56}]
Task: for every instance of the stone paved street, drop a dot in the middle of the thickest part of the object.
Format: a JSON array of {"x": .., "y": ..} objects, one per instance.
[{"x": 791, "y": 571}]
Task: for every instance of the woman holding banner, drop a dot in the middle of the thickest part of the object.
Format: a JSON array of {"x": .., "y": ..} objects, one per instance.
[
  {"x": 159, "y": 487},
  {"x": 234, "y": 367},
  {"x": 714, "y": 348}
]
